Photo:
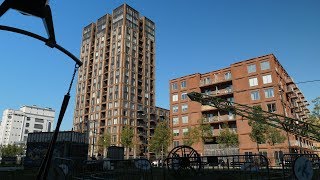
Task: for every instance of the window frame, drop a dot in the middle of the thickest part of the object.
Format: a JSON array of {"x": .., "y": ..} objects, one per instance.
[
  {"x": 265, "y": 65},
  {"x": 266, "y": 79},
  {"x": 250, "y": 68},
  {"x": 254, "y": 81},
  {"x": 267, "y": 92},
  {"x": 255, "y": 94}
]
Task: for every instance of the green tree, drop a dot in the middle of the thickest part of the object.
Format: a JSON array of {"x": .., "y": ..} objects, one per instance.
[
  {"x": 198, "y": 133},
  {"x": 227, "y": 137},
  {"x": 104, "y": 142},
  {"x": 261, "y": 132},
  {"x": 258, "y": 128},
  {"x": 316, "y": 108},
  {"x": 161, "y": 139},
  {"x": 315, "y": 113},
  {"x": 274, "y": 136},
  {"x": 11, "y": 150},
  {"x": 127, "y": 138}
]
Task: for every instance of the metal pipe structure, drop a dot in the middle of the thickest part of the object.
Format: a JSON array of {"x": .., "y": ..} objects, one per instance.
[
  {"x": 41, "y": 9},
  {"x": 293, "y": 126}
]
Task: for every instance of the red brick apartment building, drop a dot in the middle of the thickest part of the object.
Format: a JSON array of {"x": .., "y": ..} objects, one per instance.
[{"x": 258, "y": 81}]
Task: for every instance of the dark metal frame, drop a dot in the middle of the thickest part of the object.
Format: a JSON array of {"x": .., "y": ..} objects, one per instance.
[
  {"x": 41, "y": 9},
  {"x": 294, "y": 126}
]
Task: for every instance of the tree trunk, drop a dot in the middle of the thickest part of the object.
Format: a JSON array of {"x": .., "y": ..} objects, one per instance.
[
  {"x": 258, "y": 148},
  {"x": 127, "y": 152}
]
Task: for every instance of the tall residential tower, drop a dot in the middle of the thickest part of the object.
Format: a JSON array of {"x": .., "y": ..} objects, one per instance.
[{"x": 116, "y": 84}]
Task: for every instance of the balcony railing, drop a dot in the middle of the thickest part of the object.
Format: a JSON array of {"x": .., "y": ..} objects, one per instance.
[
  {"x": 214, "y": 81},
  {"x": 301, "y": 144},
  {"x": 219, "y": 118}
]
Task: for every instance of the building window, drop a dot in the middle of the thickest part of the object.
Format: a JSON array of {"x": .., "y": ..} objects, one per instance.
[
  {"x": 28, "y": 118},
  {"x": 255, "y": 95},
  {"x": 175, "y": 120},
  {"x": 114, "y": 138},
  {"x": 272, "y": 107},
  {"x": 251, "y": 68},
  {"x": 183, "y": 96},
  {"x": 38, "y": 126},
  {"x": 27, "y": 124},
  {"x": 227, "y": 76},
  {"x": 185, "y": 131},
  {"x": 253, "y": 82},
  {"x": 265, "y": 65},
  {"x": 184, "y": 107},
  {"x": 175, "y": 97},
  {"x": 269, "y": 93},
  {"x": 115, "y": 121},
  {"x": 176, "y": 132},
  {"x": 183, "y": 84},
  {"x": 174, "y": 86},
  {"x": 175, "y": 143},
  {"x": 39, "y": 120},
  {"x": 175, "y": 109},
  {"x": 185, "y": 119},
  {"x": 267, "y": 79}
]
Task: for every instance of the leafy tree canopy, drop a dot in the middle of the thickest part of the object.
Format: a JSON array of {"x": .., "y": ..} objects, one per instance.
[
  {"x": 227, "y": 137},
  {"x": 127, "y": 136},
  {"x": 11, "y": 150},
  {"x": 161, "y": 139}
]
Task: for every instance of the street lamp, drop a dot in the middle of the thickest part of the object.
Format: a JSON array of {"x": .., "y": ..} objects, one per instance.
[{"x": 41, "y": 9}]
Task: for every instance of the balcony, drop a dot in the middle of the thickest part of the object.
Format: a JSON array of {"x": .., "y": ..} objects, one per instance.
[
  {"x": 219, "y": 118},
  {"x": 207, "y": 108},
  {"x": 204, "y": 83},
  {"x": 289, "y": 81}
]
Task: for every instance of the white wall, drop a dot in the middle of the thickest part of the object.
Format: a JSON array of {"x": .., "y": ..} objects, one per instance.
[{"x": 16, "y": 125}]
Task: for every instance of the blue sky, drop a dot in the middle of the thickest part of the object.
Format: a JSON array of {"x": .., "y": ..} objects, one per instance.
[{"x": 191, "y": 36}]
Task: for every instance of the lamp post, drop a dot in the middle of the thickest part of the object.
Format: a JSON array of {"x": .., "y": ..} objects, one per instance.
[
  {"x": 41, "y": 9},
  {"x": 93, "y": 137}
]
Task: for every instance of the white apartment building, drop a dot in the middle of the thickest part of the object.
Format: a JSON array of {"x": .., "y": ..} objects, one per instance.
[{"x": 16, "y": 124}]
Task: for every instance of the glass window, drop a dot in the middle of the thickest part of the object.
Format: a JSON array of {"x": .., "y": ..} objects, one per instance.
[
  {"x": 251, "y": 68},
  {"x": 253, "y": 81},
  {"x": 255, "y": 95},
  {"x": 175, "y": 143},
  {"x": 175, "y": 97},
  {"x": 272, "y": 107},
  {"x": 183, "y": 84},
  {"x": 175, "y": 120},
  {"x": 265, "y": 65},
  {"x": 185, "y": 119},
  {"x": 38, "y": 126},
  {"x": 115, "y": 121},
  {"x": 184, "y": 96},
  {"x": 269, "y": 93},
  {"x": 185, "y": 131},
  {"x": 267, "y": 79},
  {"x": 174, "y": 86},
  {"x": 184, "y": 107},
  {"x": 176, "y": 132},
  {"x": 175, "y": 109}
]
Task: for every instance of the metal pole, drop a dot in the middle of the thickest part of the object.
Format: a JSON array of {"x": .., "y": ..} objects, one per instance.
[
  {"x": 93, "y": 136},
  {"x": 44, "y": 168}
]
